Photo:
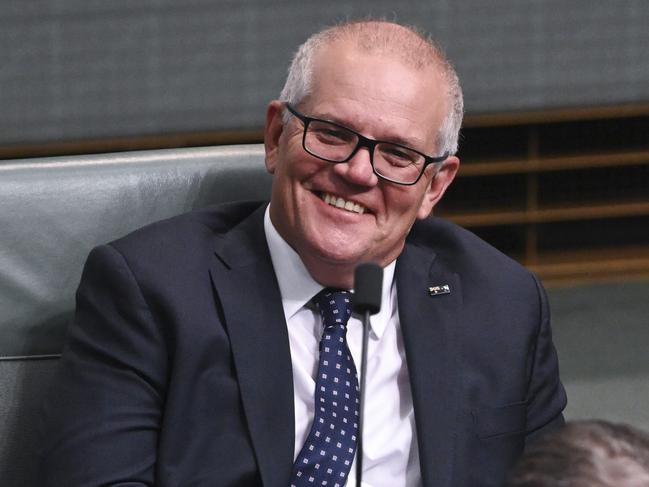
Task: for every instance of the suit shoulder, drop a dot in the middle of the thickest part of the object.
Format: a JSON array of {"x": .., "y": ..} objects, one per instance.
[
  {"x": 209, "y": 221},
  {"x": 464, "y": 252},
  {"x": 190, "y": 235}
]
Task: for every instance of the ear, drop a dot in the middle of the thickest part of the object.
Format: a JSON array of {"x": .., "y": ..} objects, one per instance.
[
  {"x": 272, "y": 132},
  {"x": 437, "y": 186}
]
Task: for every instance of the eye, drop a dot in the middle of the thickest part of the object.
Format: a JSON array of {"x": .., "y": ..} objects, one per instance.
[
  {"x": 331, "y": 134},
  {"x": 398, "y": 156}
]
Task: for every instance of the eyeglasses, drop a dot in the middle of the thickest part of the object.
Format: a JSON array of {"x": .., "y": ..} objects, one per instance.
[{"x": 336, "y": 143}]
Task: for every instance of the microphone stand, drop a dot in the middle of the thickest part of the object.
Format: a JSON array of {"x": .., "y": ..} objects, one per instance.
[
  {"x": 359, "y": 448},
  {"x": 368, "y": 279}
]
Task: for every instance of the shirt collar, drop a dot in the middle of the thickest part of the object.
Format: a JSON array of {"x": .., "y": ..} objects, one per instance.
[{"x": 297, "y": 287}]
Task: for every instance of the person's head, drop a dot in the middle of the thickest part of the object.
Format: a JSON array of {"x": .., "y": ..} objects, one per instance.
[
  {"x": 387, "y": 83},
  {"x": 586, "y": 454}
]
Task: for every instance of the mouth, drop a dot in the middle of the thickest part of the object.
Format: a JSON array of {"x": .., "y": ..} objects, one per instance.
[{"x": 342, "y": 204}]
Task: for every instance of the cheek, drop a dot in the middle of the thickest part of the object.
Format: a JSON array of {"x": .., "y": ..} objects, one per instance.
[
  {"x": 402, "y": 209},
  {"x": 402, "y": 201},
  {"x": 299, "y": 165}
]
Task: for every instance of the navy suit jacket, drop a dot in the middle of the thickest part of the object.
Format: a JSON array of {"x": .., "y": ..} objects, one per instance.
[{"x": 177, "y": 369}]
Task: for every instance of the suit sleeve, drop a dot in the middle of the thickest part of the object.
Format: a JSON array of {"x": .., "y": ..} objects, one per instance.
[
  {"x": 102, "y": 415},
  {"x": 546, "y": 395}
]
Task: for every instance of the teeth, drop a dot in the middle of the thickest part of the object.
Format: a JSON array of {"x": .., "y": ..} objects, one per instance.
[{"x": 341, "y": 203}]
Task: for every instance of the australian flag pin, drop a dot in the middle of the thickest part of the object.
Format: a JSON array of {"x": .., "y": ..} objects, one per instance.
[{"x": 439, "y": 290}]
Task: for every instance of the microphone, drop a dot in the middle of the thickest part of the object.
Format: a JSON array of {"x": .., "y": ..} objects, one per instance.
[{"x": 368, "y": 283}]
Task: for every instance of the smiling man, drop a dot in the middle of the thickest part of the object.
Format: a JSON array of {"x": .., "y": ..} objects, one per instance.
[
  {"x": 238, "y": 367},
  {"x": 338, "y": 215}
]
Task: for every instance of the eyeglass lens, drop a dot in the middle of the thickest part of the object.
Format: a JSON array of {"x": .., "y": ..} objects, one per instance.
[{"x": 336, "y": 144}]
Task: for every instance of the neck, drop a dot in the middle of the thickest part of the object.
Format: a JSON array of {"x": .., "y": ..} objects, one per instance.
[{"x": 337, "y": 274}]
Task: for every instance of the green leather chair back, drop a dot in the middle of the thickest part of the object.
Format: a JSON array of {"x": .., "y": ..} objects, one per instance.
[{"x": 52, "y": 212}]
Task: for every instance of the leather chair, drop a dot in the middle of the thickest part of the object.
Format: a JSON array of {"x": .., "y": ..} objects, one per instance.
[{"x": 52, "y": 212}]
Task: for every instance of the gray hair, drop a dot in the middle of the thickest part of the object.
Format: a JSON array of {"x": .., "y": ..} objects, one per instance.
[
  {"x": 586, "y": 454},
  {"x": 410, "y": 45}
]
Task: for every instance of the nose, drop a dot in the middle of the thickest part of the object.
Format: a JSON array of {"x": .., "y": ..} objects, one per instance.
[{"x": 358, "y": 170}]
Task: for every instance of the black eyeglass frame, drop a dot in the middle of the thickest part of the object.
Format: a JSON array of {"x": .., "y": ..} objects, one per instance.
[{"x": 364, "y": 142}]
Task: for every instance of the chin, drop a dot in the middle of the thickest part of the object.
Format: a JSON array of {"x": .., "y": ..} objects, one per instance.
[{"x": 338, "y": 255}]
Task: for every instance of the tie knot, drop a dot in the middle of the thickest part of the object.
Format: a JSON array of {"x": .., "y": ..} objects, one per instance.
[{"x": 334, "y": 305}]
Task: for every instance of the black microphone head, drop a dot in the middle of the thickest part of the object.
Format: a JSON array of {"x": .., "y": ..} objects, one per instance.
[{"x": 368, "y": 282}]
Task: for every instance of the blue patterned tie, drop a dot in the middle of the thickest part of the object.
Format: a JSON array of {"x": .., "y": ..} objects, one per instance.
[{"x": 327, "y": 454}]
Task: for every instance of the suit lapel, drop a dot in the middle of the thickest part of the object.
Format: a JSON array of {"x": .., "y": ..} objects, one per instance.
[
  {"x": 247, "y": 289},
  {"x": 429, "y": 330}
]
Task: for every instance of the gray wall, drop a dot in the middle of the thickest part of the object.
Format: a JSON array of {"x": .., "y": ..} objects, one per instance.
[
  {"x": 601, "y": 332},
  {"x": 75, "y": 69}
]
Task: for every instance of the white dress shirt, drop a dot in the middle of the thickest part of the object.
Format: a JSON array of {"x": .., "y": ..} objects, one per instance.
[{"x": 390, "y": 453}]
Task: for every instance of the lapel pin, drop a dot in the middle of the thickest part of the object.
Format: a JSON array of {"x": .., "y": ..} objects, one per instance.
[{"x": 438, "y": 290}]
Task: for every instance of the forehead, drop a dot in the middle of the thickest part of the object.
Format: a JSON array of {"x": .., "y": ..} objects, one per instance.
[{"x": 378, "y": 93}]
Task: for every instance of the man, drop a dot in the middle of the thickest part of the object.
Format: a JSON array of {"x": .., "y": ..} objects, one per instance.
[
  {"x": 586, "y": 454},
  {"x": 197, "y": 356}
]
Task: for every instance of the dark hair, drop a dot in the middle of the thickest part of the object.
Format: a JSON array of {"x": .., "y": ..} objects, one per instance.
[{"x": 586, "y": 454}]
